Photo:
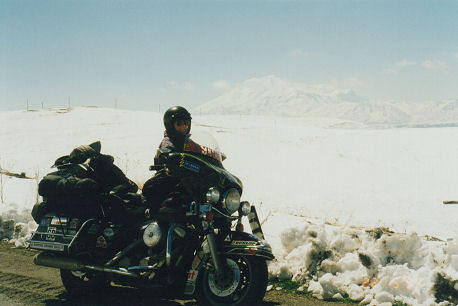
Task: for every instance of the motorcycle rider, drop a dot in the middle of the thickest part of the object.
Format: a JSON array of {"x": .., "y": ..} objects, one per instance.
[{"x": 177, "y": 123}]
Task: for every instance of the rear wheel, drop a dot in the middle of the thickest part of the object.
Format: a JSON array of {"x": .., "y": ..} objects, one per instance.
[
  {"x": 82, "y": 282},
  {"x": 244, "y": 283}
]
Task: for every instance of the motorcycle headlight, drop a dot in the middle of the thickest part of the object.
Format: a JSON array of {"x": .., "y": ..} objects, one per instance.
[
  {"x": 212, "y": 195},
  {"x": 231, "y": 200},
  {"x": 245, "y": 208}
]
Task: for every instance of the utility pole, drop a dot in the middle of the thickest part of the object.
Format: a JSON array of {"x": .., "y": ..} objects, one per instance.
[
  {"x": 27, "y": 104},
  {"x": 68, "y": 101},
  {"x": 116, "y": 103}
]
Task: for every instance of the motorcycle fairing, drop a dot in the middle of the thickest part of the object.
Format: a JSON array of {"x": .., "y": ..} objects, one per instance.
[{"x": 189, "y": 164}]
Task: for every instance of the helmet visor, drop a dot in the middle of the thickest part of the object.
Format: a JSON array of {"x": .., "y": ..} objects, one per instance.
[{"x": 182, "y": 122}]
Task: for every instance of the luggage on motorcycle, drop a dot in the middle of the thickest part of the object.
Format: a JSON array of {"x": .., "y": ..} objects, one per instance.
[
  {"x": 39, "y": 210},
  {"x": 82, "y": 153},
  {"x": 84, "y": 170},
  {"x": 77, "y": 206},
  {"x": 48, "y": 185},
  {"x": 62, "y": 161},
  {"x": 74, "y": 205},
  {"x": 65, "y": 181},
  {"x": 67, "y": 186},
  {"x": 76, "y": 186},
  {"x": 86, "y": 186},
  {"x": 78, "y": 155},
  {"x": 108, "y": 174}
]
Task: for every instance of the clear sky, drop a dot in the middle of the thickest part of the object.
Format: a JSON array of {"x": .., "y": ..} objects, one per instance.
[{"x": 142, "y": 54}]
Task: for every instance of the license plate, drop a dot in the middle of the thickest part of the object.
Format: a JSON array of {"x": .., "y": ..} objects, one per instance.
[
  {"x": 49, "y": 246},
  {"x": 51, "y": 230}
]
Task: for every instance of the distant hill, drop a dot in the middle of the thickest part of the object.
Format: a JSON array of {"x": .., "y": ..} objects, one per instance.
[{"x": 272, "y": 96}]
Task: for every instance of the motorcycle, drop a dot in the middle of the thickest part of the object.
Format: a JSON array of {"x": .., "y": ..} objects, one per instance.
[{"x": 194, "y": 242}]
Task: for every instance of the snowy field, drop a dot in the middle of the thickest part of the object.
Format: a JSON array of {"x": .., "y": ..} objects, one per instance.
[{"x": 350, "y": 211}]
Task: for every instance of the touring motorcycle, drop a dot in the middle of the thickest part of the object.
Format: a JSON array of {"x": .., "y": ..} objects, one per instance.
[{"x": 198, "y": 246}]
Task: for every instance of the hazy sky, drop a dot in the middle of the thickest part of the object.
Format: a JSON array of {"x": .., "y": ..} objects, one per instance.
[{"x": 142, "y": 54}]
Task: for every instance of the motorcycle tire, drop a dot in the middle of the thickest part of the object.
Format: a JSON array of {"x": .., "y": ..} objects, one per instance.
[
  {"x": 81, "y": 282},
  {"x": 244, "y": 283}
]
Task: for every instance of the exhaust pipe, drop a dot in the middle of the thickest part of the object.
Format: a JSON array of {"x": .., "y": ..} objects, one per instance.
[
  {"x": 56, "y": 261},
  {"x": 61, "y": 262}
]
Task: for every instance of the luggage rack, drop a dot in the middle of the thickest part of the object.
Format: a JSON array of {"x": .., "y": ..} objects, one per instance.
[{"x": 54, "y": 234}]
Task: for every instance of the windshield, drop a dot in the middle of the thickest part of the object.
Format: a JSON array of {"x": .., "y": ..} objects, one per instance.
[{"x": 203, "y": 143}]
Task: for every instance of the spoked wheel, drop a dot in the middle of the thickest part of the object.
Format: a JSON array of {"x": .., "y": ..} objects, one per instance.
[
  {"x": 82, "y": 282},
  {"x": 244, "y": 282}
]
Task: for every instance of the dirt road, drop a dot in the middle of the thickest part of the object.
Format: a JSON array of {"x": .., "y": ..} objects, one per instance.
[{"x": 23, "y": 283}]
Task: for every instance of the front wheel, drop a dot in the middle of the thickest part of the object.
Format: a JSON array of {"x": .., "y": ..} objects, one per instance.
[
  {"x": 244, "y": 283},
  {"x": 82, "y": 282}
]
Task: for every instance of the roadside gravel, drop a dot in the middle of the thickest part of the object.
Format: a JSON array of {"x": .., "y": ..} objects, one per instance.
[{"x": 23, "y": 283}]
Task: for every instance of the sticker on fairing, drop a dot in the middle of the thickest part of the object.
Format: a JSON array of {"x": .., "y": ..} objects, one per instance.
[
  {"x": 192, "y": 275},
  {"x": 191, "y": 166},
  {"x": 239, "y": 242},
  {"x": 190, "y": 285},
  {"x": 197, "y": 260}
]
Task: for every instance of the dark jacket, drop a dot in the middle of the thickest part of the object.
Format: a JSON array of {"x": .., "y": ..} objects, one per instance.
[
  {"x": 174, "y": 143},
  {"x": 157, "y": 188}
]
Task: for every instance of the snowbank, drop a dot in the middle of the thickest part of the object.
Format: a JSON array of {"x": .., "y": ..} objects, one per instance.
[
  {"x": 369, "y": 266},
  {"x": 326, "y": 191}
]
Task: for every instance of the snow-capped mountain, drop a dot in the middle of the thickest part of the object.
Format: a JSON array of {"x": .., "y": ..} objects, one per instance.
[{"x": 272, "y": 96}]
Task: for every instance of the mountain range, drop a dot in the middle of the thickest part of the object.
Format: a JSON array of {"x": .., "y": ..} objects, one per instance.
[{"x": 272, "y": 96}]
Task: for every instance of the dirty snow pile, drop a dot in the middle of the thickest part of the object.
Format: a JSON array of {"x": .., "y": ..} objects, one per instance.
[
  {"x": 16, "y": 224},
  {"x": 368, "y": 266},
  {"x": 351, "y": 211}
]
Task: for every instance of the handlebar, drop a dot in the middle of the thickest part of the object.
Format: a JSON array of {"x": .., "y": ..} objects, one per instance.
[{"x": 156, "y": 167}]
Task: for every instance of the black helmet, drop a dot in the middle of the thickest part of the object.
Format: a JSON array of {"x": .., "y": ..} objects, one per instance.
[{"x": 173, "y": 114}]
